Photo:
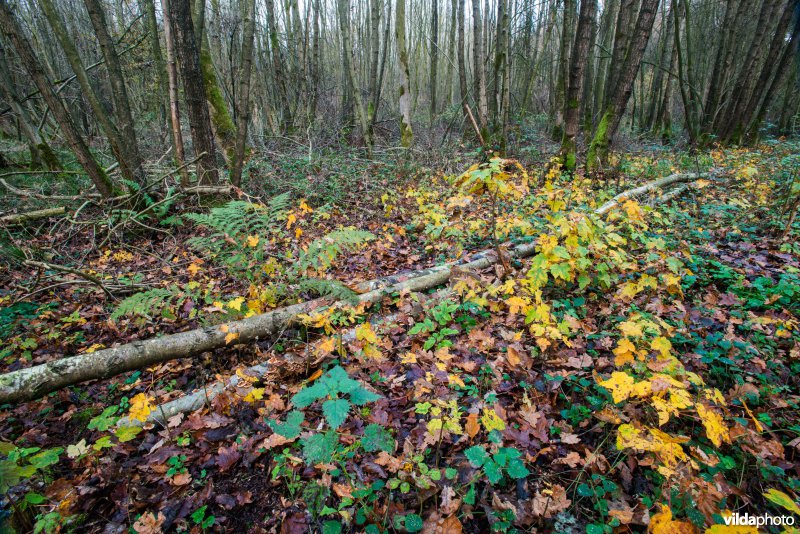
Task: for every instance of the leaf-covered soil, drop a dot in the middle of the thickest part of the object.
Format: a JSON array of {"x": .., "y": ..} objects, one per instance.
[{"x": 641, "y": 369}]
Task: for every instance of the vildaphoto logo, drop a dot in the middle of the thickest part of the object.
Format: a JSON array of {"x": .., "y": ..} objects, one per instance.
[{"x": 763, "y": 520}]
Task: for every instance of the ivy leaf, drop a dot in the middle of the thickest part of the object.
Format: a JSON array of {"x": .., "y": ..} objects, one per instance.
[
  {"x": 413, "y": 523},
  {"x": 476, "y": 455},
  {"x": 336, "y": 411},
  {"x": 377, "y": 438},
  {"x": 331, "y": 527},
  {"x": 319, "y": 448},
  {"x": 291, "y": 428}
]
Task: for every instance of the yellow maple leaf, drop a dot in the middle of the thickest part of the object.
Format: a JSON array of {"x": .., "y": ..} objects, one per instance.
[
  {"x": 491, "y": 421},
  {"x": 662, "y": 345},
  {"x": 630, "y": 289},
  {"x": 298, "y": 232},
  {"x": 230, "y": 337},
  {"x": 290, "y": 220},
  {"x": 455, "y": 379},
  {"x": 633, "y": 210},
  {"x": 408, "y": 358},
  {"x": 236, "y": 304},
  {"x": 252, "y": 241},
  {"x": 662, "y": 523},
  {"x": 193, "y": 269},
  {"x": 631, "y": 329},
  {"x": 305, "y": 208},
  {"x": 516, "y": 305},
  {"x": 327, "y": 346},
  {"x": 716, "y": 431},
  {"x": 254, "y": 395},
  {"x": 364, "y": 332},
  {"x": 624, "y": 352},
  {"x": 141, "y": 407},
  {"x": 620, "y": 384}
]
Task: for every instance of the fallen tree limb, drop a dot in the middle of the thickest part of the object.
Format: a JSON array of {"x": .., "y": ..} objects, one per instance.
[
  {"x": 35, "y": 382},
  {"x": 21, "y": 218},
  {"x": 646, "y": 188},
  {"x": 86, "y": 276}
]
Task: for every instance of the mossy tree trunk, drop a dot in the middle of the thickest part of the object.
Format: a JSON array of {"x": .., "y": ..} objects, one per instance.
[
  {"x": 580, "y": 54},
  {"x": 24, "y": 49},
  {"x": 194, "y": 91},
  {"x": 597, "y": 157}
]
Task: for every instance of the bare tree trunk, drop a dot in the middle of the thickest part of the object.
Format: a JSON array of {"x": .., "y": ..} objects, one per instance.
[
  {"x": 567, "y": 29},
  {"x": 481, "y": 101},
  {"x": 434, "y": 44},
  {"x": 119, "y": 92},
  {"x": 194, "y": 91},
  {"x": 243, "y": 116},
  {"x": 31, "y": 63},
  {"x": 406, "y": 132},
  {"x": 39, "y": 148},
  {"x": 174, "y": 106},
  {"x": 580, "y": 53},
  {"x": 610, "y": 11},
  {"x": 361, "y": 112},
  {"x": 109, "y": 127}
]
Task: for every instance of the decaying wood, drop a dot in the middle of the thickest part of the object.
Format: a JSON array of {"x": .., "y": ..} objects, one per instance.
[
  {"x": 21, "y": 218},
  {"x": 37, "y": 381}
]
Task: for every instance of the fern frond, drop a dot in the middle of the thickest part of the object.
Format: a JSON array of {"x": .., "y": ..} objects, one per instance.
[
  {"x": 328, "y": 288},
  {"x": 322, "y": 252},
  {"x": 236, "y": 220},
  {"x": 145, "y": 303}
]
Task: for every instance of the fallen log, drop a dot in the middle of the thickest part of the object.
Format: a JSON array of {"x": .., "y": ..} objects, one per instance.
[
  {"x": 195, "y": 400},
  {"x": 34, "y": 382},
  {"x": 646, "y": 188},
  {"x": 21, "y": 218}
]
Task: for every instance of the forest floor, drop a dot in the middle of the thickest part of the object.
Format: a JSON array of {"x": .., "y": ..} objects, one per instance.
[{"x": 641, "y": 369}]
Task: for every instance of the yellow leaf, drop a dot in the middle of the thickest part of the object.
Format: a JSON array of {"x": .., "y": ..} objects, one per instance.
[
  {"x": 236, "y": 304},
  {"x": 513, "y": 356},
  {"x": 759, "y": 426},
  {"x": 254, "y": 395},
  {"x": 252, "y": 241},
  {"x": 630, "y": 290},
  {"x": 516, "y": 305},
  {"x": 290, "y": 220},
  {"x": 633, "y": 209},
  {"x": 140, "y": 407},
  {"x": 662, "y": 523},
  {"x": 327, "y": 346},
  {"x": 620, "y": 384},
  {"x": 631, "y": 329},
  {"x": 305, "y": 208},
  {"x": 782, "y": 500},
  {"x": 364, "y": 332},
  {"x": 716, "y": 430},
  {"x": 298, "y": 232},
  {"x": 624, "y": 352},
  {"x": 231, "y": 336},
  {"x": 662, "y": 345},
  {"x": 408, "y": 358},
  {"x": 193, "y": 269},
  {"x": 648, "y": 281},
  {"x": 455, "y": 379},
  {"x": 491, "y": 421}
]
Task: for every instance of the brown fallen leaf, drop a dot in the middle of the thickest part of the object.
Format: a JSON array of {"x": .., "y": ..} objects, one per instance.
[{"x": 149, "y": 523}]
